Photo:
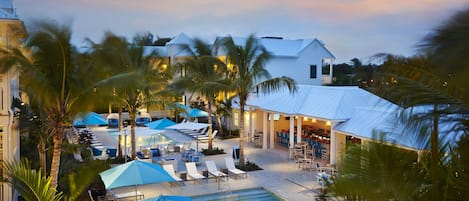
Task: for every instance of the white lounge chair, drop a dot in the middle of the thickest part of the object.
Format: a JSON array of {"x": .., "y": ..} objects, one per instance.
[
  {"x": 199, "y": 133},
  {"x": 229, "y": 162},
  {"x": 170, "y": 170},
  {"x": 213, "y": 170},
  {"x": 192, "y": 172},
  {"x": 205, "y": 138}
]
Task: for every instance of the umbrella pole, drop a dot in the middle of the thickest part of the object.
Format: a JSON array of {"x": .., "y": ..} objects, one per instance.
[{"x": 136, "y": 192}]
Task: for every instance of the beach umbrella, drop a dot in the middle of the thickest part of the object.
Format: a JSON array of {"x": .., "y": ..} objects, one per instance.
[
  {"x": 160, "y": 124},
  {"x": 89, "y": 119},
  {"x": 193, "y": 113},
  {"x": 169, "y": 198},
  {"x": 134, "y": 173}
]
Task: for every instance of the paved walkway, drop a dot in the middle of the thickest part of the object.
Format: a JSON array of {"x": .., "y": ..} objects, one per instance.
[{"x": 280, "y": 174}]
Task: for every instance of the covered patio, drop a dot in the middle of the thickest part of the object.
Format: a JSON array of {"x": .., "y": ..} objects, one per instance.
[{"x": 308, "y": 117}]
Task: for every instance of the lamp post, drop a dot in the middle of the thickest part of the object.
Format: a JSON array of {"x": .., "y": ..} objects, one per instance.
[{"x": 125, "y": 145}]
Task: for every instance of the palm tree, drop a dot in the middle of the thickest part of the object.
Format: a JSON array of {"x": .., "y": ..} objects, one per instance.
[
  {"x": 204, "y": 75},
  {"x": 377, "y": 171},
  {"x": 31, "y": 185},
  {"x": 436, "y": 79},
  {"x": 147, "y": 74},
  {"x": 249, "y": 75},
  {"x": 53, "y": 79}
]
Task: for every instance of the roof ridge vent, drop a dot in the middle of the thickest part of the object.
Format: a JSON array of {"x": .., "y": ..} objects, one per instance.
[{"x": 272, "y": 37}]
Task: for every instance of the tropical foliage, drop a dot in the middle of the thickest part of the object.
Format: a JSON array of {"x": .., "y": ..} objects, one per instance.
[
  {"x": 248, "y": 75},
  {"x": 204, "y": 74},
  {"x": 434, "y": 94},
  {"x": 32, "y": 185},
  {"x": 135, "y": 77},
  {"x": 53, "y": 79}
]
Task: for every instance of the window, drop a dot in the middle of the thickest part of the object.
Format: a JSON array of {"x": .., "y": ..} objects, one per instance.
[{"x": 312, "y": 73}]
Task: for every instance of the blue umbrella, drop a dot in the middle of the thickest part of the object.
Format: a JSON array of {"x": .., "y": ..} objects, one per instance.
[
  {"x": 160, "y": 124},
  {"x": 194, "y": 112},
  {"x": 134, "y": 173},
  {"x": 169, "y": 198},
  {"x": 89, "y": 119}
]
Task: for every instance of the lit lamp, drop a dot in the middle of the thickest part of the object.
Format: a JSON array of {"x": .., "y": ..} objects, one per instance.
[
  {"x": 313, "y": 120},
  {"x": 305, "y": 118},
  {"x": 328, "y": 123}
]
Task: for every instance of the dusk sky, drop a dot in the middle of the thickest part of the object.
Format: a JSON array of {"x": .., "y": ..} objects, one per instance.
[{"x": 349, "y": 28}]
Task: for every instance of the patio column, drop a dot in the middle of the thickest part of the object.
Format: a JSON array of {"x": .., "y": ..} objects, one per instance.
[
  {"x": 251, "y": 132},
  {"x": 292, "y": 131},
  {"x": 298, "y": 130},
  {"x": 331, "y": 69},
  {"x": 272, "y": 141},
  {"x": 264, "y": 130},
  {"x": 333, "y": 148}
]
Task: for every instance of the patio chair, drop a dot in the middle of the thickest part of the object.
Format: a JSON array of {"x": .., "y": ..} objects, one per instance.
[
  {"x": 192, "y": 172},
  {"x": 213, "y": 170},
  {"x": 170, "y": 170},
  {"x": 229, "y": 162}
]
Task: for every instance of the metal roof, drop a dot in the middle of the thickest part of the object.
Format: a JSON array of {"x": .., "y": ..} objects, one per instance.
[{"x": 325, "y": 102}]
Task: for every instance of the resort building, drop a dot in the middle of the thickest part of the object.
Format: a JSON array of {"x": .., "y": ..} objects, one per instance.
[
  {"x": 324, "y": 118},
  {"x": 300, "y": 59},
  {"x": 12, "y": 30}
]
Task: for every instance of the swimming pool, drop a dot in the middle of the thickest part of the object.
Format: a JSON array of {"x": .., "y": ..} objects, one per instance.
[
  {"x": 252, "y": 194},
  {"x": 145, "y": 137}
]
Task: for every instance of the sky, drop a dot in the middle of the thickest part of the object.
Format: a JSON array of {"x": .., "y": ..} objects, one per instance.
[{"x": 349, "y": 28}]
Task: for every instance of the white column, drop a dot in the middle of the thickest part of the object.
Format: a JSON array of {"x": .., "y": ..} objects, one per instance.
[
  {"x": 264, "y": 129},
  {"x": 251, "y": 133},
  {"x": 272, "y": 140},
  {"x": 292, "y": 132},
  {"x": 298, "y": 130},
  {"x": 333, "y": 148},
  {"x": 331, "y": 69}
]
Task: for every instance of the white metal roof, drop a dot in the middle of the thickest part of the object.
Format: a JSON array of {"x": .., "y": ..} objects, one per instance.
[
  {"x": 284, "y": 47},
  {"x": 365, "y": 122},
  {"x": 181, "y": 39},
  {"x": 325, "y": 102}
]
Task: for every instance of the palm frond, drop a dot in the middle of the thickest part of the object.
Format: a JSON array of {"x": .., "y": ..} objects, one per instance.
[{"x": 31, "y": 184}]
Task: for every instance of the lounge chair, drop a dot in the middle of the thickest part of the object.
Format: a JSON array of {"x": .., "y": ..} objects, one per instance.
[
  {"x": 170, "y": 170},
  {"x": 198, "y": 133},
  {"x": 213, "y": 170},
  {"x": 205, "y": 138},
  {"x": 229, "y": 162},
  {"x": 192, "y": 172}
]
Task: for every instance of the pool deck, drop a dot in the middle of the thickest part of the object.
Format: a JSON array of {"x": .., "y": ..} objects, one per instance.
[{"x": 280, "y": 174}]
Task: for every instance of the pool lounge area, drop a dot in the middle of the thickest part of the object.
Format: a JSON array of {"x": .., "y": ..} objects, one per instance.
[{"x": 280, "y": 177}]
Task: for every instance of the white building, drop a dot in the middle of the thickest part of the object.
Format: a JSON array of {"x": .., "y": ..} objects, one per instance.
[
  {"x": 300, "y": 59},
  {"x": 11, "y": 31}
]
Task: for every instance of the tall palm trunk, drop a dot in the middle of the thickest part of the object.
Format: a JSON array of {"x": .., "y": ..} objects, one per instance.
[
  {"x": 132, "y": 114},
  {"x": 434, "y": 155},
  {"x": 57, "y": 136},
  {"x": 210, "y": 129},
  {"x": 241, "y": 132},
  {"x": 119, "y": 127},
  {"x": 41, "y": 149}
]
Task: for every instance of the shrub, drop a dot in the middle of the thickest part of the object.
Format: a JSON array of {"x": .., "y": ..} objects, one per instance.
[
  {"x": 249, "y": 166},
  {"x": 214, "y": 151}
]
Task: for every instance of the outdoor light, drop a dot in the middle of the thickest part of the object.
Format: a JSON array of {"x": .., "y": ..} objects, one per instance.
[
  {"x": 313, "y": 120},
  {"x": 305, "y": 118},
  {"x": 328, "y": 123}
]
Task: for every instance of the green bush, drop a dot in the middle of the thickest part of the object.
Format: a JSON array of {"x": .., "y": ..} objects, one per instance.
[
  {"x": 214, "y": 151},
  {"x": 249, "y": 166}
]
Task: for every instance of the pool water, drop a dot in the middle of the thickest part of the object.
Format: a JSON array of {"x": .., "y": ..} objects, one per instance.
[
  {"x": 146, "y": 140},
  {"x": 252, "y": 194}
]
